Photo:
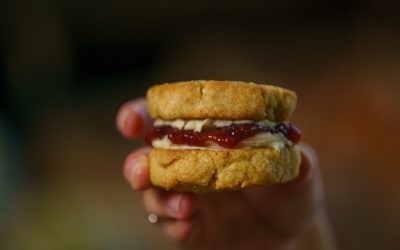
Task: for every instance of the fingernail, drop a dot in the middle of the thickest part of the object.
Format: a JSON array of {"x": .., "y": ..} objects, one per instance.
[
  {"x": 134, "y": 169},
  {"x": 142, "y": 111},
  {"x": 128, "y": 124},
  {"x": 175, "y": 204},
  {"x": 121, "y": 119}
]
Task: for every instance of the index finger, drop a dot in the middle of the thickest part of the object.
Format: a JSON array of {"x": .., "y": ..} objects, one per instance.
[
  {"x": 133, "y": 119},
  {"x": 136, "y": 169}
]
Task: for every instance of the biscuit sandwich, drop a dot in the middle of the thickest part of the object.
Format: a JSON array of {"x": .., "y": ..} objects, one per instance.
[{"x": 221, "y": 135}]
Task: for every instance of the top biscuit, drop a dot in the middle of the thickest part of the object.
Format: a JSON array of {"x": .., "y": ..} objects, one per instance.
[{"x": 224, "y": 100}]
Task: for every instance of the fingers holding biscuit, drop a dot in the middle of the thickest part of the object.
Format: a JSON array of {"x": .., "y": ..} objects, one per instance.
[
  {"x": 175, "y": 211},
  {"x": 136, "y": 169},
  {"x": 181, "y": 230},
  {"x": 169, "y": 205},
  {"x": 132, "y": 118},
  {"x": 303, "y": 193},
  {"x": 309, "y": 163},
  {"x": 308, "y": 185}
]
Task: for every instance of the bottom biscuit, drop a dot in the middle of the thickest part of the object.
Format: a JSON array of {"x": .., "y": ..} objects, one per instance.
[{"x": 217, "y": 170}]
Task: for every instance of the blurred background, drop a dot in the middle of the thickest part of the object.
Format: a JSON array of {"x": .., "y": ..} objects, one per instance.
[{"x": 67, "y": 66}]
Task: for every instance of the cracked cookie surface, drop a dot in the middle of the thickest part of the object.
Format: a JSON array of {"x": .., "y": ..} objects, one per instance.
[
  {"x": 213, "y": 170},
  {"x": 226, "y": 100}
]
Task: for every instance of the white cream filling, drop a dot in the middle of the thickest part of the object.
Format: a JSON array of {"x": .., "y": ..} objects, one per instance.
[
  {"x": 263, "y": 139},
  {"x": 199, "y": 125}
]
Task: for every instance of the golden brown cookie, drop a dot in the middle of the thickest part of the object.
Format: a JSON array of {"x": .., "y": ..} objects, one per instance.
[
  {"x": 213, "y": 170},
  {"x": 225, "y": 100}
]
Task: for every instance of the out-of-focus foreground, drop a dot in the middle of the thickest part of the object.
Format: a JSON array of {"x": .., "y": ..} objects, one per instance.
[{"x": 67, "y": 66}]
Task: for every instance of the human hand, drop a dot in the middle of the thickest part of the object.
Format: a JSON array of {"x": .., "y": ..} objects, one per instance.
[{"x": 272, "y": 217}]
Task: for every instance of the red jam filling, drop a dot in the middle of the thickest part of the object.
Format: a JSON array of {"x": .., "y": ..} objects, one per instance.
[{"x": 227, "y": 137}]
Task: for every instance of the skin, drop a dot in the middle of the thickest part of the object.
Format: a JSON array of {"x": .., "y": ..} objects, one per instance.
[{"x": 284, "y": 216}]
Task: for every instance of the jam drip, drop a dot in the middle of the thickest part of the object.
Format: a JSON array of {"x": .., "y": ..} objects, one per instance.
[{"x": 227, "y": 137}]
